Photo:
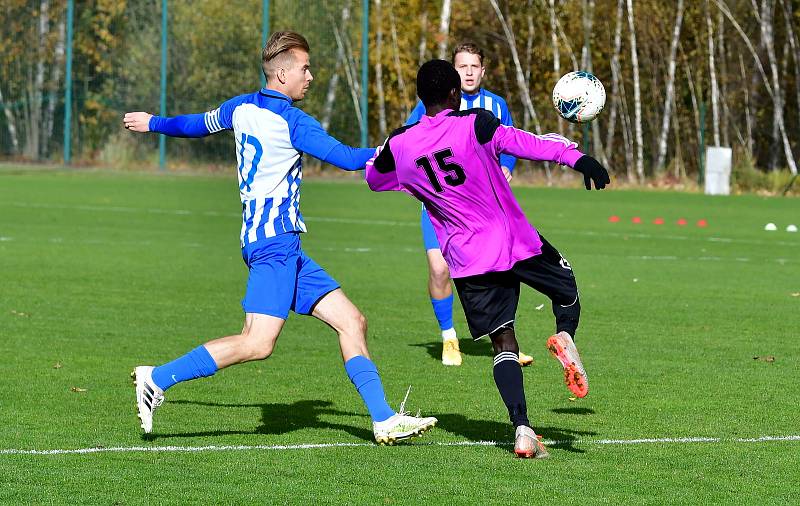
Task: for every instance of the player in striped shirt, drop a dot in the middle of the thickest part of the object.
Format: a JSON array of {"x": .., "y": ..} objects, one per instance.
[
  {"x": 449, "y": 161},
  {"x": 271, "y": 136},
  {"x": 468, "y": 61}
]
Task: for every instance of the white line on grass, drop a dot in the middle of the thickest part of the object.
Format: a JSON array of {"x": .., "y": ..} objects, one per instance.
[{"x": 314, "y": 446}]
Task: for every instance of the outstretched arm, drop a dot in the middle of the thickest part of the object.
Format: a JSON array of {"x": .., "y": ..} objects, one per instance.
[
  {"x": 308, "y": 136},
  {"x": 187, "y": 125},
  {"x": 548, "y": 147}
]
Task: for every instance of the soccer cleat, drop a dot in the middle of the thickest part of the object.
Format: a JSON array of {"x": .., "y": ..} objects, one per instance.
[
  {"x": 451, "y": 355},
  {"x": 525, "y": 360},
  {"x": 562, "y": 347},
  {"x": 527, "y": 444},
  {"x": 401, "y": 426},
  {"x": 148, "y": 395}
]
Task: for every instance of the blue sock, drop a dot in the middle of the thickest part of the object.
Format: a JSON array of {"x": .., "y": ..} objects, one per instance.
[
  {"x": 364, "y": 375},
  {"x": 198, "y": 363},
  {"x": 443, "y": 309}
]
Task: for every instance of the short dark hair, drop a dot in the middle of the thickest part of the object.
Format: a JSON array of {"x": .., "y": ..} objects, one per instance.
[
  {"x": 468, "y": 47},
  {"x": 435, "y": 80}
]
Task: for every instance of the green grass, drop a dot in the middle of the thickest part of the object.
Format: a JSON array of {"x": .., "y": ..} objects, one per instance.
[{"x": 100, "y": 272}]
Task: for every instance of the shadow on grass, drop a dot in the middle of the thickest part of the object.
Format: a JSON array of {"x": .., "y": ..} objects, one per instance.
[
  {"x": 503, "y": 433},
  {"x": 573, "y": 411},
  {"x": 278, "y": 419},
  {"x": 468, "y": 347}
]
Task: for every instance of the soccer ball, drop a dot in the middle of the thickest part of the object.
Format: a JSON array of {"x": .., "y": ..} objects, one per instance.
[{"x": 579, "y": 97}]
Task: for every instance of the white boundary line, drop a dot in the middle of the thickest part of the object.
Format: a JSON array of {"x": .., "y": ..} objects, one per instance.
[{"x": 314, "y": 446}]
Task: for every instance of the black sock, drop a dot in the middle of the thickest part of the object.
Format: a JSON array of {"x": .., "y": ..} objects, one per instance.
[{"x": 508, "y": 378}]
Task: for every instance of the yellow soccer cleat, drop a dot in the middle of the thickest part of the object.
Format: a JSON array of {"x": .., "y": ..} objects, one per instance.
[
  {"x": 451, "y": 355},
  {"x": 525, "y": 360}
]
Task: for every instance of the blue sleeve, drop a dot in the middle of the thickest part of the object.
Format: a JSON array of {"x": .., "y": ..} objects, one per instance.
[
  {"x": 505, "y": 119},
  {"x": 197, "y": 125},
  {"x": 308, "y": 136},
  {"x": 416, "y": 113},
  {"x": 187, "y": 125}
]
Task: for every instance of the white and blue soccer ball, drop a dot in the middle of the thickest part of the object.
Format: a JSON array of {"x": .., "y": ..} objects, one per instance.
[{"x": 579, "y": 96}]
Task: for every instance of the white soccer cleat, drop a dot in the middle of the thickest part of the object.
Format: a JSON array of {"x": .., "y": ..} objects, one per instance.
[
  {"x": 401, "y": 426},
  {"x": 148, "y": 395},
  {"x": 527, "y": 444}
]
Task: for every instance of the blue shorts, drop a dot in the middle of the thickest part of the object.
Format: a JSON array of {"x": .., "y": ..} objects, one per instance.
[
  {"x": 428, "y": 234},
  {"x": 282, "y": 277}
]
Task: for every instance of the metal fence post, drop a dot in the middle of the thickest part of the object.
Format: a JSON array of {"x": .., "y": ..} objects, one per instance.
[
  {"x": 264, "y": 34},
  {"x": 162, "y": 139},
  {"x": 364, "y": 71}
]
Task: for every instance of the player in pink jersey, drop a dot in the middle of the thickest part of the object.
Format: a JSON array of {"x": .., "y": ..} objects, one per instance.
[{"x": 449, "y": 161}]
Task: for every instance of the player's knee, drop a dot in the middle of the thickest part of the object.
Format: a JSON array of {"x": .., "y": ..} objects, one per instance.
[
  {"x": 258, "y": 345},
  {"x": 504, "y": 339},
  {"x": 439, "y": 273},
  {"x": 357, "y": 324}
]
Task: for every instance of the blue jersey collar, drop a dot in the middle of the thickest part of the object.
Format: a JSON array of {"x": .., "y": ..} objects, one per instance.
[{"x": 268, "y": 92}]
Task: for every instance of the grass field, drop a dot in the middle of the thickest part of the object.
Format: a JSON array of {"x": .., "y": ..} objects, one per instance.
[{"x": 101, "y": 272}]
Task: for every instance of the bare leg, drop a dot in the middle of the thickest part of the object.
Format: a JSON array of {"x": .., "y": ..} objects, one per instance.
[
  {"x": 336, "y": 310},
  {"x": 256, "y": 341},
  {"x": 438, "y": 275}
]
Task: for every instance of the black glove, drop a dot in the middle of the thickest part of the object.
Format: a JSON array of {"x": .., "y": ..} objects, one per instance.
[{"x": 592, "y": 171}]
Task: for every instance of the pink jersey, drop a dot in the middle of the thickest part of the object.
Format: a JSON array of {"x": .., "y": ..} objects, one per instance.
[{"x": 450, "y": 163}]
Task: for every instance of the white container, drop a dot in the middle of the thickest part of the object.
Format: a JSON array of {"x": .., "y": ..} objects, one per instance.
[{"x": 718, "y": 170}]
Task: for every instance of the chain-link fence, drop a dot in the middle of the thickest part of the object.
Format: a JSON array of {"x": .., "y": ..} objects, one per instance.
[{"x": 213, "y": 53}]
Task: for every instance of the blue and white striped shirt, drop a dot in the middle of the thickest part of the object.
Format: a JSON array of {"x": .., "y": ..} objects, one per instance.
[{"x": 271, "y": 136}]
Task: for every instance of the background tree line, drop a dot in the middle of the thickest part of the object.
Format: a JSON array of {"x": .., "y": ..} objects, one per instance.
[{"x": 674, "y": 72}]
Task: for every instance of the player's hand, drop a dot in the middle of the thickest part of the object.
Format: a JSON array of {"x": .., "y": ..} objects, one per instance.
[
  {"x": 137, "y": 121},
  {"x": 592, "y": 171},
  {"x": 507, "y": 174}
]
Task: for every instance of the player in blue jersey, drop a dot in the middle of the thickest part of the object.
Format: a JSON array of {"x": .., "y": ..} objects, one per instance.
[
  {"x": 271, "y": 136},
  {"x": 468, "y": 61}
]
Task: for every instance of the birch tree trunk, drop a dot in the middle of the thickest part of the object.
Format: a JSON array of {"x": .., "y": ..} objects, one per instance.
[
  {"x": 712, "y": 76},
  {"x": 398, "y": 68},
  {"x": 33, "y": 132},
  {"x": 348, "y": 64},
  {"x": 556, "y": 52},
  {"x": 528, "y": 54},
  {"x": 792, "y": 39},
  {"x": 379, "y": 70},
  {"x": 522, "y": 85},
  {"x": 423, "y": 39},
  {"x": 723, "y": 66},
  {"x": 787, "y": 149},
  {"x": 687, "y": 68},
  {"x": 637, "y": 95},
  {"x": 11, "y": 121},
  {"x": 768, "y": 41},
  {"x": 670, "y": 94},
  {"x": 747, "y": 116},
  {"x": 615, "y": 78},
  {"x": 54, "y": 83},
  {"x": 444, "y": 29}
]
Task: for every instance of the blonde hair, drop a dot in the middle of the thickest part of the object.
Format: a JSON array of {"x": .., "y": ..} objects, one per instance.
[
  {"x": 278, "y": 48},
  {"x": 468, "y": 47}
]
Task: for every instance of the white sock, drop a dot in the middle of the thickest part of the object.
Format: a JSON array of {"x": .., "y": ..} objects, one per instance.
[{"x": 449, "y": 334}]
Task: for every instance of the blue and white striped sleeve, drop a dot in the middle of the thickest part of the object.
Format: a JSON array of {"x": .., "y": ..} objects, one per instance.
[{"x": 507, "y": 161}]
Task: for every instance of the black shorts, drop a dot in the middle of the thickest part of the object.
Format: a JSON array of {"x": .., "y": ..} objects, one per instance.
[{"x": 490, "y": 300}]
